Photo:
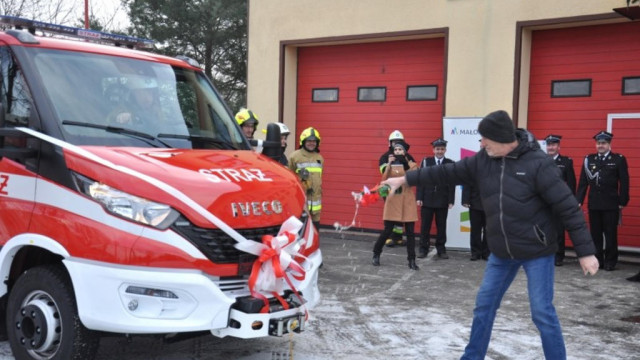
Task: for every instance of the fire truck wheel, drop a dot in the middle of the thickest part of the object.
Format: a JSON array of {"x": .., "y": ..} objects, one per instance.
[{"x": 42, "y": 318}]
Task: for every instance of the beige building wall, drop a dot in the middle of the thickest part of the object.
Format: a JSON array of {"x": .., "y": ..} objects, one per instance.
[{"x": 481, "y": 44}]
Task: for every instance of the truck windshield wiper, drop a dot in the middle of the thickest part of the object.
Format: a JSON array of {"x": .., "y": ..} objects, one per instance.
[
  {"x": 201, "y": 139},
  {"x": 120, "y": 130}
]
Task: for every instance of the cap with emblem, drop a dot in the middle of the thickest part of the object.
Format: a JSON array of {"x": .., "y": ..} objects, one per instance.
[
  {"x": 603, "y": 136},
  {"x": 439, "y": 142},
  {"x": 553, "y": 138}
]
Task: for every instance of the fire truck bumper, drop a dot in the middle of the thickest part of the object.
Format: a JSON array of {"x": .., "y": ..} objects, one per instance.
[{"x": 141, "y": 300}]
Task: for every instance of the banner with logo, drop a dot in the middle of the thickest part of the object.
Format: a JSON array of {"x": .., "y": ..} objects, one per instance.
[{"x": 463, "y": 140}]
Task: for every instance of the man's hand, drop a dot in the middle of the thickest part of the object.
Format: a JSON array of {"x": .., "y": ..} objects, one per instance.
[
  {"x": 589, "y": 264},
  {"x": 394, "y": 184}
]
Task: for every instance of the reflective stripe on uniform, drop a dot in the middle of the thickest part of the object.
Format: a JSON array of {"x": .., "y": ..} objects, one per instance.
[
  {"x": 312, "y": 167},
  {"x": 314, "y": 205}
]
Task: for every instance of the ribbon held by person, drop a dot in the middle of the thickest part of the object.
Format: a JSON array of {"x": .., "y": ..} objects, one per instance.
[{"x": 365, "y": 197}]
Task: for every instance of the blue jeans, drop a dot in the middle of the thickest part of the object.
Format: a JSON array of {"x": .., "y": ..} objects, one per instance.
[{"x": 498, "y": 276}]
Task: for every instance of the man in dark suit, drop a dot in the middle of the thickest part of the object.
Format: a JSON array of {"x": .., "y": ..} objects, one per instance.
[
  {"x": 435, "y": 200},
  {"x": 565, "y": 165},
  {"x": 607, "y": 176}
]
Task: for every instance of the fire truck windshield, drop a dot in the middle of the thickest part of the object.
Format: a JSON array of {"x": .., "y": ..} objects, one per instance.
[{"x": 100, "y": 91}]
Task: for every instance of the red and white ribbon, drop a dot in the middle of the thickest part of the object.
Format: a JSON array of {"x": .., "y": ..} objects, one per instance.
[{"x": 276, "y": 263}]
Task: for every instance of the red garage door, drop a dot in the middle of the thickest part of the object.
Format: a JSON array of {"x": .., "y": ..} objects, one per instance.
[
  {"x": 586, "y": 67},
  {"x": 355, "y": 133}
]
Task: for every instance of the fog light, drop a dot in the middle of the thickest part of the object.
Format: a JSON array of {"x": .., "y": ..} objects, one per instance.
[
  {"x": 256, "y": 325},
  {"x": 293, "y": 324},
  {"x": 138, "y": 290},
  {"x": 133, "y": 305}
]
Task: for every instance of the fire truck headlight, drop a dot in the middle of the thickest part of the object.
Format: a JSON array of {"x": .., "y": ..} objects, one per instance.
[{"x": 128, "y": 206}]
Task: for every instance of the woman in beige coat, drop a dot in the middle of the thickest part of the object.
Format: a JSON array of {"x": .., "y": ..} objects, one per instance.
[{"x": 399, "y": 208}]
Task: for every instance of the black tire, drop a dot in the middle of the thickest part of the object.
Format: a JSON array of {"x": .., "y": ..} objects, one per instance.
[{"x": 42, "y": 318}]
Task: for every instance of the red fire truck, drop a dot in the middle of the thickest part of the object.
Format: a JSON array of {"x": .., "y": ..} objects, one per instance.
[{"x": 131, "y": 203}]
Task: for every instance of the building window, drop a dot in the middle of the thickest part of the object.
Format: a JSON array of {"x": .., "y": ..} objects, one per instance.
[
  {"x": 422, "y": 92},
  {"x": 631, "y": 86},
  {"x": 325, "y": 95},
  {"x": 571, "y": 88},
  {"x": 372, "y": 94}
]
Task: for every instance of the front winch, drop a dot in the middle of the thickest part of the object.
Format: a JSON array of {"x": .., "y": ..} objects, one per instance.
[{"x": 279, "y": 327}]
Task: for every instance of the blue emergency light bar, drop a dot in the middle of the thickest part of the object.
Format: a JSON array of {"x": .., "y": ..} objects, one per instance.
[{"x": 98, "y": 36}]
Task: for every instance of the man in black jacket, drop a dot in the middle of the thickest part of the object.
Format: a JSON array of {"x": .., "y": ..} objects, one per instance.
[
  {"x": 521, "y": 191},
  {"x": 435, "y": 200},
  {"x": 607, "y": 176},
  {"x": 565, "y": 165}
]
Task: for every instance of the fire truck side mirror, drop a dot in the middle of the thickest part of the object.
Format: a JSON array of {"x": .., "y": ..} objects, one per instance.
[{"x": 272, "y": 146}]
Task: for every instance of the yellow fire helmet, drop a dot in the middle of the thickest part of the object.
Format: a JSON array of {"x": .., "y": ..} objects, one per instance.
[
  {"x": 246, "y": 116},
  {"x": 309, "y": 134}
]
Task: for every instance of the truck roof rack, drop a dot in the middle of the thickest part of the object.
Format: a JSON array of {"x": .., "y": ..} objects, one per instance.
[{"x": 87, "y": 34}]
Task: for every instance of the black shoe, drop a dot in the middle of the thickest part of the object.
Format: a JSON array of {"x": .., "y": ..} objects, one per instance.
[
  {"x": 609, "y": 268},
  {"x": 376, "y": 260},
  {"x": 558, "y": 262},
  {"x": 412, "y": 265},
  {"x": 474, "y": 257},
  {"x": 422, "y": 254},
  {"x": 485, "y": 257},
  {"x": 635, "y": 277},
  {"x": 443, "y": 256}
]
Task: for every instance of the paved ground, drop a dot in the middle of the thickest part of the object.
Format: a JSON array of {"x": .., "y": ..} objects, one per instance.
[{"x": 391, "y": 311}]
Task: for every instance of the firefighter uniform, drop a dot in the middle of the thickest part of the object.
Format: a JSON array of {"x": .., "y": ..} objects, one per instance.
[
  {"x": 607, "y": 177},
  {"x": 308, "y": 166},
  {"x": 565, "y": 165}
]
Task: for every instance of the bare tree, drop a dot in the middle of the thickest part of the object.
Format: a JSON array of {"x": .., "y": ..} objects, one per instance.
[{"x": 53, "y": 11}]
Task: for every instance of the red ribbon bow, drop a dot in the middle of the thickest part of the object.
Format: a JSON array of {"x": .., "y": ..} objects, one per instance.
[{"x": 272, "y": 252}]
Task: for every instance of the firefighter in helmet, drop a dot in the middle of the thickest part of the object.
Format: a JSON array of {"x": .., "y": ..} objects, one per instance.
[
  {"x": 395, "y": 137},
  {"x": 248, "y": 122},
  {"x": 307, "y": 163},
  {"x": 284, "y": 133}
]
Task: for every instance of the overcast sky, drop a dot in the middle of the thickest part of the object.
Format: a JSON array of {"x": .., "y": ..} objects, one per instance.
[{"x": 109, "y": 12}]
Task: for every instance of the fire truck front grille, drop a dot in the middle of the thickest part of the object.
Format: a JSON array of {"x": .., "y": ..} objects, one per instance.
[{"x": 215, "y": 244}]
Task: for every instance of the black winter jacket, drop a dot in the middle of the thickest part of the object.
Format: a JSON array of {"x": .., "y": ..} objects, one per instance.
[
  {"x": 519, "y": 193},
  {"x": 471, "y": 196}
]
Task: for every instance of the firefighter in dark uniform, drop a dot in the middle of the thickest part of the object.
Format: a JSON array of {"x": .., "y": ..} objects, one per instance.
[
  {"x": 607, "y": 176},
  {"x": 435, "y": 200},
  {"x": 565, "y": 165}
]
